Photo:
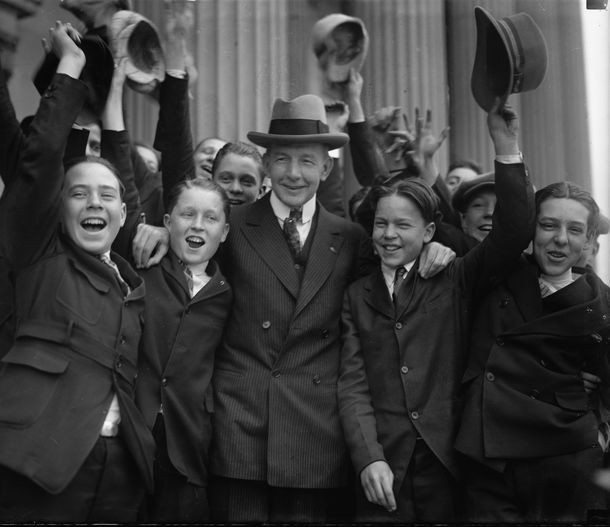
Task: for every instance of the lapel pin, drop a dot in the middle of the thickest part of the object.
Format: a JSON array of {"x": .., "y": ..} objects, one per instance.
[{"x": 333, "y": 249}]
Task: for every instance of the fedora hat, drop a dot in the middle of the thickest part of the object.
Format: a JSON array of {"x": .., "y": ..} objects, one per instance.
[
  {"x": 340, "y": 42},
  {"x": 97, "y": 73},
  {"x": 296, "y": 121},
  {"x": 135, "y": 37},
  {"x": 469, "y": 189},
  {"x": 511, "y": 57}
]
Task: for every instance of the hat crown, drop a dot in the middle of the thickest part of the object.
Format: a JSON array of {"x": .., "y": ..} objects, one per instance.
[
  {"x": 303, "y": 107},
  {"x": 511, "y": 56}
]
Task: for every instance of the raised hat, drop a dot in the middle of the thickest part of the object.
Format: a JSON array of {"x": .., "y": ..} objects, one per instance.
[
  {"x": 97, "y": 73},
  {"x": 135, "y": 37},
  {"x": 340, "y": 42},
  {"x": 511, "y": 57},
  {"x": 469, "y": 189},
  {"x": 298, "y": 121}
]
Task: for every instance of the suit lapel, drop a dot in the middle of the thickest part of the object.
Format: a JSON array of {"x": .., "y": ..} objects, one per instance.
[
  {"x": 213, "y": 287},
  {"x": 325, "y": 248},
  {"x": 262, "y": 230},
  {"x": 174, "y": 271},
  {"x": 376, "y": 294},
  {"x": 584, "y": 318}
]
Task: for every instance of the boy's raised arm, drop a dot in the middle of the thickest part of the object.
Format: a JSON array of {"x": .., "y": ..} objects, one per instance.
[{"x": 33, "y": 211}]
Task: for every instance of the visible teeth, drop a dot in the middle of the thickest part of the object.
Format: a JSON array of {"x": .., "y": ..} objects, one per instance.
[
  {"x": 194, "y": 241},
  {"x": 93, "y": 224},
  {"x": 485, "y": 227}
]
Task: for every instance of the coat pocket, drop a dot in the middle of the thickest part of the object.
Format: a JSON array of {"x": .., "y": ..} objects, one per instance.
[
  {"x": 28, "y": 380},
  {"x": 574, "y": 401}
]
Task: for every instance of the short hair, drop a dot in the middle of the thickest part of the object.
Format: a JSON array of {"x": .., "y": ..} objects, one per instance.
[
  {"x": 202, "y": 183},
  {"x": 358, "y": 196},
  {"x": 205, "y": 139},
  {"x": 565, "y": 189},
  {"x": 465, "y": 163},
  {"x": 415, "y": 190},
  {"x": 71, "y": 163},
  {"x": 240, "y": 149}
]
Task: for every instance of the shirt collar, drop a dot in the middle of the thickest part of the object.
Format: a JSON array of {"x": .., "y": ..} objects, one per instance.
[
  {"x": 282, "y": 211},
  {"x": 390, "y": 272}
]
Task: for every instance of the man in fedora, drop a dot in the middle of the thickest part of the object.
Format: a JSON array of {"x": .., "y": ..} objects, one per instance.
[{"x": 278, "y": 447}]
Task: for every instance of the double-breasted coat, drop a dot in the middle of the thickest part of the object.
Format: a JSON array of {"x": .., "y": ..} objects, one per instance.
[
  {"x": 524, "y": 394},
  {"x": 275, "y": 379}
]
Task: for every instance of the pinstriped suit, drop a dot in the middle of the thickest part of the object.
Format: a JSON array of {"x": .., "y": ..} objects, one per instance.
[{"x": 276, "y": 416}]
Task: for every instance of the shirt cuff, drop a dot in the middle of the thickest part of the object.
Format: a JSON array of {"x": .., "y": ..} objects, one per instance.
[{"x": 510, "y": 159}]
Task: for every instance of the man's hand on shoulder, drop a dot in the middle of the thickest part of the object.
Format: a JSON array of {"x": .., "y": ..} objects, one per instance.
[
  {"x": 150, "y": 245},
  {"x": 434, "y": 258}
]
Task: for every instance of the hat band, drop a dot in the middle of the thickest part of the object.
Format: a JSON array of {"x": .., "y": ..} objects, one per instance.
[
  {"x": 510, "y": 31},
  {"x": 297, "y": 127}
]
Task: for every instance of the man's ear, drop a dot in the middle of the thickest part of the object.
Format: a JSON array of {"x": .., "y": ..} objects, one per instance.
[
  {"x": 166, "y": 221},
  {"x": 326, "y": 168}
]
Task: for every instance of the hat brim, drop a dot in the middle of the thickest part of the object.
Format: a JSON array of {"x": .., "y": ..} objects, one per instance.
[
  {"x": 331, "y": 140},
  {"x": 492, "y": 73}
]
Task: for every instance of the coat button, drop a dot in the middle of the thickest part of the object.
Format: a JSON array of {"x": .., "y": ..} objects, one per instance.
[
  {"x": 398, "y": 325},
  {"x": 504, "y": 302},
  {"x": 333, "y": 249},
  {"x": 127, "y": 303},
  {"x": 164, "y": 381},
  {"x": 534, "y": 394},
  {"x": 325, "y": 333},
  {"x": 266, "y": 324},
  {"x": 543, "y": 363},
  {"x": 589, "y": 310},
  {"x": 604, "y": 316},
  {"x": 414, "y": 415},
  {"x": 119, "y": 362},
  {"x": 297, "y": 266},
  {"x": 404, "y": 370},
  {"x": 597, "y": 338},
  {"x": 123, "y": 339},
  {"x": 500, "y": 341},
  {"x": 316, "y": 379},
  {"x": 490, "y": 376},
  {"x": 275, "y": 373},
  {"x": 222, "y": 282}
]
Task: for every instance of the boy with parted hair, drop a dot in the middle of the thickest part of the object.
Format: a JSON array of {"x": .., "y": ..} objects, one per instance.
[{"x": 403, "y": 341}]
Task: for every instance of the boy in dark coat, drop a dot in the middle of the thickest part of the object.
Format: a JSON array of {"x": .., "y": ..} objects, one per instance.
[
  {"x": 73, "y": 446},
  {"x": 403, "y": 341}
]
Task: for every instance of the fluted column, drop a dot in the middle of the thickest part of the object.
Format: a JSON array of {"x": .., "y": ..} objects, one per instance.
[
  {"x": 554, "y": 136},
  {"x": 407, "y": 61}
]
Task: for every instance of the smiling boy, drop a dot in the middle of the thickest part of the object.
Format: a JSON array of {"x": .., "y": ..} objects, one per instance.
[
  {"x": 403, "y": 341},
  {"x": 73, "y": 446}
]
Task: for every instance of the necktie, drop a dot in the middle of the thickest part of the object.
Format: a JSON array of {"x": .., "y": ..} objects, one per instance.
[
  {"x": 124, "y": 286},
  {"x": 398, "y": 276},
  {"x": 291, "y": 232},
  {"x": 545, "y": 290},
  {"x": 189, "y": 278}
]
